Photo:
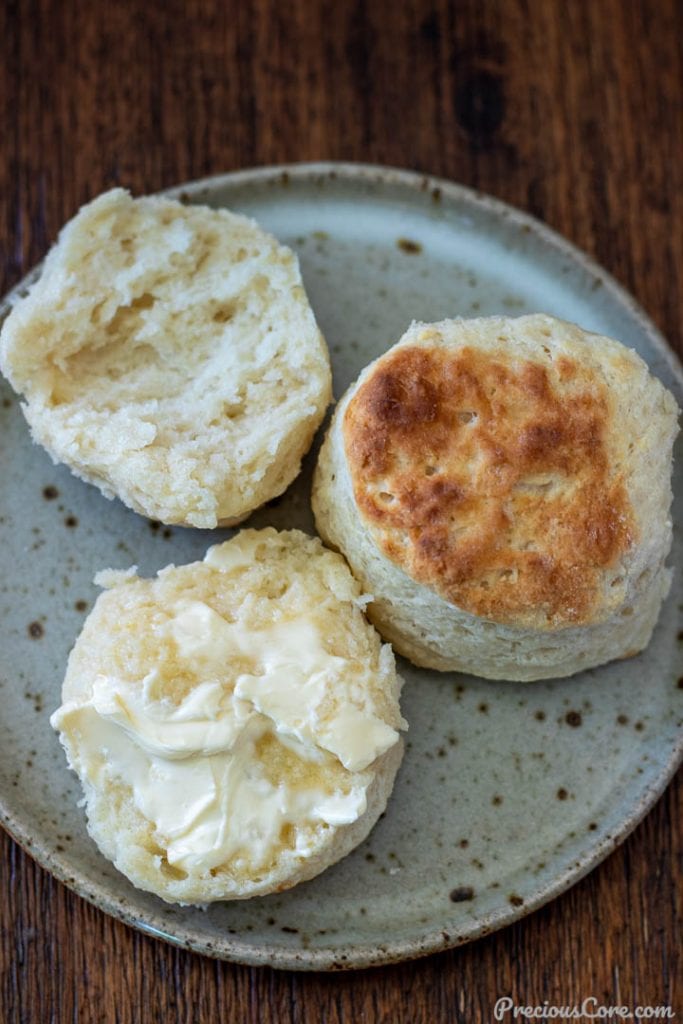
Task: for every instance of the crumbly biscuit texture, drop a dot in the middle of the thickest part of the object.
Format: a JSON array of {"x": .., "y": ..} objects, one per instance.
[
  {"x": 168, "y": 354},
  {"x": 502, "y": 487},
  {"x": 234, "y": 722}
]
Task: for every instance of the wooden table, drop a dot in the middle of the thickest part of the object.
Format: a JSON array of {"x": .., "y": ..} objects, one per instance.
[{"x": 571, "y": 109}]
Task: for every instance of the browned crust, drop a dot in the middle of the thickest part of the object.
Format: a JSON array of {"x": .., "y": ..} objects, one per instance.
[{"x": 487, "y": 477}]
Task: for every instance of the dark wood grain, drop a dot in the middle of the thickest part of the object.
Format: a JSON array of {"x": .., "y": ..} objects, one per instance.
[{"x": 572, "y": 110}]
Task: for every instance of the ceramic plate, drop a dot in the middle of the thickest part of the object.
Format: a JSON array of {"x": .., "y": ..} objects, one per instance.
[{"x": 509, "y": 792}]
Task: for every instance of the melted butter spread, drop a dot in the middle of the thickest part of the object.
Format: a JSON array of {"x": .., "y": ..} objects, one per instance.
[{"x": 194, "y": 768}]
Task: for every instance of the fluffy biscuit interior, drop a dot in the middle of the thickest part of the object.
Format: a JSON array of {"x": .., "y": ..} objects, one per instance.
[{"x": 169, "y": 354}]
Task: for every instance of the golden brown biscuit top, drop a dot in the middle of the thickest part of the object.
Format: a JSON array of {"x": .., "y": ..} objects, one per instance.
[{"x": 487, "y": 477}]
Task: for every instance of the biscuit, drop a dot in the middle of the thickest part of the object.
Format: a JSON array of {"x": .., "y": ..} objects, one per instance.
[
  {"x": 234, "y": 722},
  {"x": 502, "y": 488},
  {"x": 168, "y": 354}
]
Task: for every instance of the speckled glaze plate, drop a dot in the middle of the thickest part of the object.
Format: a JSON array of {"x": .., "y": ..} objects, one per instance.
[{"x": 509, "y": 792}]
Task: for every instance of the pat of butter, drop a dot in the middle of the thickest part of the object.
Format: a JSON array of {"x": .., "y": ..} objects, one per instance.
[
  {"x": 292, "y": 674},
  {"x": 193, "y": 767}
]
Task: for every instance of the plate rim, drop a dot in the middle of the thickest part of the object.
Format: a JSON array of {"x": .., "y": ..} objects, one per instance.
[{"x": 355, "y": 955}]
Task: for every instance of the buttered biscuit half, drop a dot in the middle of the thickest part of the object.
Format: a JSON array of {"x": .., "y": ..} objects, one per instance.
[
  {"x": 168, "y": 354},
  {"x": 234, "y": 722},
  {"x": 502, "y": 488}
]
